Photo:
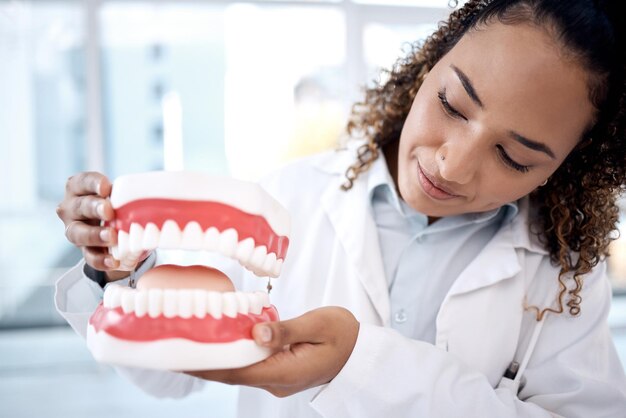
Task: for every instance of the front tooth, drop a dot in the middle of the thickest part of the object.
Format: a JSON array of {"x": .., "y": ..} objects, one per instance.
[
  {"x": 211, "y": 239},
  {"x": 150, "y": 237},
  {"x": 255, "y": 302},
  {"x": 185, "y": 307},
  {"x": 258, "y": 257},
  {"x": 243, "y": 305},
  {"x": 265, "y": 299},
  {"x": 229, "y": 304},
  {"x": 155, "y": 302},
  {"x": 128, "y": 300},
  {"x": 268, "y": 264},
  {"x": 276, "y": 268},
  {"x": 141, "y": 303},
  {"x": 170, "y": 235},
  {"x": 115, "y": 252},
  {"x": 244, "y": 251},
  {"x": 122, "y": 244},
  {"x": 228, "y": 242},
  {"x": 199, "y": 303},
  {"x": 170, "y": 303},
  {"x": 135, "y": 238},
  {"x": 192, "y": 237},
  {"x": 214, "y": 304}
]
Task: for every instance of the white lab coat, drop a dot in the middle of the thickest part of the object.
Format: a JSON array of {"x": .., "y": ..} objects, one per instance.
[{"x": 334, "y": 259}]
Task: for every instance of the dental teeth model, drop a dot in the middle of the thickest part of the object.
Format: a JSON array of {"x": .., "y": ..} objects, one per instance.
[{"x": 188, "y": 318}]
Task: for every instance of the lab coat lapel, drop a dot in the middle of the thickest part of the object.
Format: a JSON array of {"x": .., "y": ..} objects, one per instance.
[{"x": 349, "y": 214}]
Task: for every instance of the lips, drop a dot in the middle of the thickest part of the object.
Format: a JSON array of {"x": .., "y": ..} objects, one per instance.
[{"x": 434, "y": 188}]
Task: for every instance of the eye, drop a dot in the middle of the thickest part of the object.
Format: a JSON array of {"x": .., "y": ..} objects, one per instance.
[
  {"x": 509, "y": 161},
  {"x": 447, "y": 107}
]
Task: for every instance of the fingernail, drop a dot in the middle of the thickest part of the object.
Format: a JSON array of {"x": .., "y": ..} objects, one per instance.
[
  {"x": 100, "y": 210},
  {"x": 265, "y": 334},
  {"x": 109, "y": 262},
  {"x": 105, "y": 235}
]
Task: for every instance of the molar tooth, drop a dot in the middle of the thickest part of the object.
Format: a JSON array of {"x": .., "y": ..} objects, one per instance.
[
  {"x": 243, "y": 305},
  {"x": 122, "y": 244},
  {"x": 155, "y": 302},
  {"x": 214, "y": 304},
  {"x": 258, "y": 256},
  {"x": 264, "y": 298},
  {"x": 135, "y": 237},
  {"x": 141, "y": 303},
  {"x": 170, "y": 303},
  {"x": 199, "y": 303},
  {"x": 128, "y": 300},
  {"x": 229, "y": 304},
  {"x": 170, "y": 235},
  {"x": 276, "y": 268},
  {"x": 255, "y": 302},
  {"x": 150, "y": 237},
  {"x": 115, "y": 295},
  {"x": 185, "y": 307},
  {"x": 244, "y": 251},
  {"x": 268, "y": 264},
  {"x": 192, "y": 237},
  {"x": 228, "y": 242},
  {"x": 211, "y": 239}
]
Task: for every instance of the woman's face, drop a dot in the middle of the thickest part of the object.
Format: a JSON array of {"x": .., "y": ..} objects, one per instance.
[{"x": 493, "y": 119}]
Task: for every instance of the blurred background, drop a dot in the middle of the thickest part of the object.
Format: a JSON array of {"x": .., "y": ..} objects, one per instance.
[{"x": 219, "y": 86}]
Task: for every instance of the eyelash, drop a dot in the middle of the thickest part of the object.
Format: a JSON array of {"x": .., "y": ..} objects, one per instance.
[{"x": 452, "y": 112}]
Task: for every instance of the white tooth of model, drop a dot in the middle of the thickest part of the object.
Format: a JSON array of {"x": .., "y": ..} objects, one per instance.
[
  {"x": 243, "y": 305},
  {"x": 150, "y": 237},
  {"x": 268, "y": 264},
  {"x": 170, "y": 303},
  {"x": 257, "y": 259},
  {"x": 170, "y": 235},
  {"x": 193, "y": 237},
  {"x": 211, "y": 239},
  {"x": 185, "y": 303},
  {"x": 128, "y": 300},
  {"x": 228, "y": 242},
  {"x": 116, "y": 297},
  {"x": 276, "y": 269},
  {"x": 141, "y": 302},
  {"x": 135, "y": 237},
  {"x": 122, "y": 244},
  {"x": 106, "y": 298},
  {"x": 255, "y": 302},
  {"x": 265, "y": 299},
  {"x": 155, "y": 302},
  {"x": 115, "y": 252},
  {"x": 244, "y": 251},
  {"x": 199, "y": 303},
  {"x": 229, "y": 307},
  {"x": 214, "y": 304}
]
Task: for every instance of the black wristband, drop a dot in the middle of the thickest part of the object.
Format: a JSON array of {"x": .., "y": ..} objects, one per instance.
[{"x": 95, "y": 275}]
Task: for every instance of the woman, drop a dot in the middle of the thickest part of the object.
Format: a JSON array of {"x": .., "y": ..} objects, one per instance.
[{"x": 463, "y": 273}]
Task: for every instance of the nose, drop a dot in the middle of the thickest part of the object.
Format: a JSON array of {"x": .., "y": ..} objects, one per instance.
[{"x": 459, "y": 160}]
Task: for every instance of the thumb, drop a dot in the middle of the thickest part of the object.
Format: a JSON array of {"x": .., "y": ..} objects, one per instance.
[{"x": 307, "y": 328}]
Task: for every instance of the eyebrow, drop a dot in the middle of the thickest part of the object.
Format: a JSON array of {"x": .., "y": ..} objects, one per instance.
[
  {"x": 471, "y": 92},
  {"x": 467, "y": 85}
]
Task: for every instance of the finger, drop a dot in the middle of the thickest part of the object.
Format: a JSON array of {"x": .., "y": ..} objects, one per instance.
[
  {"x": 88, "y": 183},
  {"x": 308, "y": 328},
  {"x": 92, "y": 208},
  {"x": 99, "y": 258},
  {"x": 84, "y": 235}
]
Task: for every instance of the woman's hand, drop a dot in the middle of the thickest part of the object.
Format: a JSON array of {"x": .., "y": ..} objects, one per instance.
[
  {"x": 82, "y": 210},
  {"x": 310, "y": 351}
]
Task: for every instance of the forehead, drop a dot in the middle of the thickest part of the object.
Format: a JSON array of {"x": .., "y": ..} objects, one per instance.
[{"x": 525, "y": 81}]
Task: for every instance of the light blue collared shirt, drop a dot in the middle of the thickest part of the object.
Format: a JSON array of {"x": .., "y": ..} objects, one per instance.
[{"x": 422, "y": 261}]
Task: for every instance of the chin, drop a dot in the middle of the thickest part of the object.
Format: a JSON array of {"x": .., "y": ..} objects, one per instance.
[{"x": 189, "y": 317}]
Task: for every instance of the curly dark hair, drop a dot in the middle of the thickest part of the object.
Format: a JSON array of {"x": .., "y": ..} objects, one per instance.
[{"x": 577, "y": 210}]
